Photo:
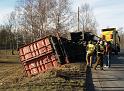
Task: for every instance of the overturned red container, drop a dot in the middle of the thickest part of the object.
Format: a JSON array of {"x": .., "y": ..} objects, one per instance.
[
  {"x": 41, "y": 55},
  {"x": 40, "y": 64}
]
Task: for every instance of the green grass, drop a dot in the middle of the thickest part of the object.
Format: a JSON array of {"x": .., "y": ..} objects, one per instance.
[
  {"x": 6, "y": 56},
  {"x": 9, "y": 60},
  {"x": 68, "y": 77},
  {"x": 8, "y": 52},
  {"x": 52, "y": 80}
]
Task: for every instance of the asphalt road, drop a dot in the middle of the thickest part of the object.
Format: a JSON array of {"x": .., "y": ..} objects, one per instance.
[{"x": 111, "y": 79}]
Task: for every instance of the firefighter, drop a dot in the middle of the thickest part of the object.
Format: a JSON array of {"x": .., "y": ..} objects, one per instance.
[
  {"x": 89, "y": 56},
  {"x": 84, "y": 50},
  {"x": 100, "y": 54},
  {"x": 95, "y": 52}
]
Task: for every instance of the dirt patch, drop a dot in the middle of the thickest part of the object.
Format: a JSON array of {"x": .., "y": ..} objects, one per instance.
[{"x": 68, "y": 77}]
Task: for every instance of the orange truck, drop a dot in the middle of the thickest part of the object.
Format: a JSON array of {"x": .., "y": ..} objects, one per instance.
[{"x": 111, "y": 35}]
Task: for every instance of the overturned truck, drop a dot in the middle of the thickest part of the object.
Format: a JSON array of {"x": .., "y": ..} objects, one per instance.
[
  {"x": 41, "y": 55},
  {"x": 51, "y": 52}
]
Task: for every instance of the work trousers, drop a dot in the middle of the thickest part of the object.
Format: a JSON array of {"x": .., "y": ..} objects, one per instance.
[
  {"x": 99, "y": 61},
  {"x": 107, "y": 59},
  {"x": 89, "y": 58}
]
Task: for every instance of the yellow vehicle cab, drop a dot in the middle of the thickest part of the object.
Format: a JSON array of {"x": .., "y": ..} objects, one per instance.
[{"x": 111, "y": 35}]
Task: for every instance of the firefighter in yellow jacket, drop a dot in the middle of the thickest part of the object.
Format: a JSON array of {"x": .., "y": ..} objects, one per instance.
[{"x": 90, "y": 50}]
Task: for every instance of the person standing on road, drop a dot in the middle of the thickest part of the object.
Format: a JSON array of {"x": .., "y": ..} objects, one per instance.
[
  {"x": 107, "y": 55},
  {"x": 100, "y": 54},
  {"x": 84, "y": 50},
  {"x": 95, "y": 52},
  {"x": 89, "y": 56}
]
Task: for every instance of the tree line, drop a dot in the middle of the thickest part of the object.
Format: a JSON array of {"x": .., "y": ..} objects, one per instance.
[
  {"x": 33, "y": 19},
  {"x": 121, "y": 34}
]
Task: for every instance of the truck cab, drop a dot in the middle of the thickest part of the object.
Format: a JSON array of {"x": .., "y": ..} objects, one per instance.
[{"x": 111, "y": 35}]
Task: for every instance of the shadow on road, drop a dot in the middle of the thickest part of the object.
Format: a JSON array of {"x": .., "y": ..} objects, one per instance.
[
  {"x": 99, "y": 80},
  {"x": 118, "y": 59},
  {"x": 111, "y": 79},
  {"x": 89, "y": 80}
]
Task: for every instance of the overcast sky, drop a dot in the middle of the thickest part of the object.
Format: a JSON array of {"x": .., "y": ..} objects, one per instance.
[{"x": 108, "y": 13}]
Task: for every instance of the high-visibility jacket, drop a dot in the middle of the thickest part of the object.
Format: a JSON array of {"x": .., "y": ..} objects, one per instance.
[
  {"x": 90, "y": 48},
  {"x": 100, "y": 48}
]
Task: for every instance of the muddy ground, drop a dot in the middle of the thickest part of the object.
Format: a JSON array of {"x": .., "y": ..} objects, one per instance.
[{"x": 68, "y": 77}]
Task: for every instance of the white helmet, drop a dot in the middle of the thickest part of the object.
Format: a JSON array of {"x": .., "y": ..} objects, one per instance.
[
  {"x": 105, "y": 43},
  {"x": 101, "y": 42}
]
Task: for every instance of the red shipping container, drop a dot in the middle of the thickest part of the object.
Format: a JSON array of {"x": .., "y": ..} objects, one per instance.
[
  {"x": 40, "y": 56},
  {"x": 37, "y": 65},
  {"x": 35, "y": 49}
]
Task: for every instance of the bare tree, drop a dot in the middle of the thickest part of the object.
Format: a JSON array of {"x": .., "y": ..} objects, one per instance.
[
  {"x": 121, "y": 34},
  {"x": 8, "y": 28},
  {"x": 37, "y": 18},
  {"x": 59, "y": 16},
  {"x": 12, "y": 37},
  {"x": 7, "y": 38},
  {"x": 87, "y": 19},
  {"x": 40, "y": 17}
]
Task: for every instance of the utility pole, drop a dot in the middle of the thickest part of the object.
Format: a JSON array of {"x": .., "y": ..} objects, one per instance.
[{"x": 78, "y": 19}]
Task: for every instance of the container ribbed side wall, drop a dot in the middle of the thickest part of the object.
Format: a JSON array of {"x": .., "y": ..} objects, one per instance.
[
  {"x": 35, "y": 49},
  {"x": 41, "y": 64}
]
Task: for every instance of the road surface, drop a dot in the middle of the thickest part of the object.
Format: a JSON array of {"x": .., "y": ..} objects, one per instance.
[{"x": 111, "y": 79}]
